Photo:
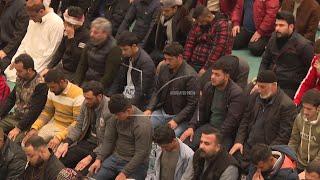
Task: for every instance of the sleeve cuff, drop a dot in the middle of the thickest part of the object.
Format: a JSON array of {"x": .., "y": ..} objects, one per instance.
[{"x": 69, "y": 141}]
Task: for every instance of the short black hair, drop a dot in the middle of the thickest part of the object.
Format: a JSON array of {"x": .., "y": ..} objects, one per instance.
[
  {"x": 26, "y": 61},
  {"x": 163, "y": 134},
  {"x": 286, "y": 16},
  {"x": 94, "y": 86},
  {"x": 214, "y": 131},
  {"x": 119, "y": 103},
  {"x": 260, "y": 152},
  {"x": 173, "y": 49},
  {"x": 54, "y": 75},
  {"x": 200, "y": 10},
  {"x": 314, "y": 167},
  {"x": 36, "y": 142},
  {"x": 312, "y": 96},
  {"x": 127, "y": 38},
  {"x": 75, "y": 11},
  {"x": 222, "y": 65}
]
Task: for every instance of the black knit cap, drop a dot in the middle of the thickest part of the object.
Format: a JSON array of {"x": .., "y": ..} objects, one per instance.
[{"x": 267, "y": 76}]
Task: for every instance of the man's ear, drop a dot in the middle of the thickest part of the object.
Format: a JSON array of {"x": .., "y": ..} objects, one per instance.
[
  {"x": 291, "y": 26},
  {"x": 42, "y": 150}
]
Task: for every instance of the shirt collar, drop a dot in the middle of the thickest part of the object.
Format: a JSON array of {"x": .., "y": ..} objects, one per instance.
[
  {"x": 46, "y": 17},
  {"x": 66, "y": 90}
]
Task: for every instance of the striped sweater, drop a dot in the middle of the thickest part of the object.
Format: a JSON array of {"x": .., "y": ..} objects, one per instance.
[{"x": 63, "y": 108}]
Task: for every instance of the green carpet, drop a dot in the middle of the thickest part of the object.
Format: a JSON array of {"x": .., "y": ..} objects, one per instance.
[{"x": 254, "y": 62}]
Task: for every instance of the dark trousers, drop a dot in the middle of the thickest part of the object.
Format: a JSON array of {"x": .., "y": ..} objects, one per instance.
[
  {"x": 242, "y": 40},
  {"x": 113, "y": 165},
  {"x": 76, "y": 153},
  {"x": 227, "y": 141}
]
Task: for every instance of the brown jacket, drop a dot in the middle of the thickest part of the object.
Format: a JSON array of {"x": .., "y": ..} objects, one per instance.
[{"x": 307, "y": 18}]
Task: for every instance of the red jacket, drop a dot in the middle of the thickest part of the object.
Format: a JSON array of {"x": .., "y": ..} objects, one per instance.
[
  {"x": 310, "y": 81},
  {"x": 264, "y": 15},
  {"x": 4, "y": 90}
]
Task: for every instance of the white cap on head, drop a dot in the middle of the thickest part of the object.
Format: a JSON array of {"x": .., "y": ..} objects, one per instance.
[{"x": 170, "y": 3}]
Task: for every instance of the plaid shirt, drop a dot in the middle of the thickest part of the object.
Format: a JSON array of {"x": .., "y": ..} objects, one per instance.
[{"x": 204, "y": 48}]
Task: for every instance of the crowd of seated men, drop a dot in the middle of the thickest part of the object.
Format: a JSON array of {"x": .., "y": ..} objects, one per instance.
[{"x": 149, "y": 89}]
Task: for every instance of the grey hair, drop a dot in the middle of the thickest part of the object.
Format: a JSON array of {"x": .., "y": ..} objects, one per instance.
[{"x": 103, "y": 24}]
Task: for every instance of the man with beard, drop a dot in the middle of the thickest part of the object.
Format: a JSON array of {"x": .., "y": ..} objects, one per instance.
[
  {"x": 268, "y": 118},
  {"x": 101, "y": 57},
  {"x": 135, "y": 78},
  {"x": 27, "y": 98},
  {"x": 43, "y": 37},
  {"x": 208, "y": 40},
  {"x": 211, "y": 160},
  {"x": 42, "y": 163},
  {"x": 85, "y": 138},
  {"x": 288, "y": 54},
  {"x": 175, "y": 95},
  {"x": 172, "y": 24},
  {"x": 221, "y": 106},
  {"x": 126, "y": 146},
  {"x": 61, "y": 110},
  {"x": 272, "y": 162}
]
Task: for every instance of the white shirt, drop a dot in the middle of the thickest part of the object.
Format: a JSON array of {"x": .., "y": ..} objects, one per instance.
[{"x": 40, "y": 42}]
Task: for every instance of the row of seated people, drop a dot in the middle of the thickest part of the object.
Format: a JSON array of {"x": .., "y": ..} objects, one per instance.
[
  {"x": 112, "y": 138},
  {"x": 96, "y": 55},
  {"x": 252, "y": 22}
]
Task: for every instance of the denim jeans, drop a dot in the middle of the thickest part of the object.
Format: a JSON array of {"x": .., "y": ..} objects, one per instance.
[
  {"x": 160, "y": 117},
  {"x": 113, "y": 165}
]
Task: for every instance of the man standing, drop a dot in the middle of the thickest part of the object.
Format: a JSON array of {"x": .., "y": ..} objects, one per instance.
[
  {"x": 253, "y": 23},
  {"x": 305, "y": 134},
  {"x": 127, "y": 143},
  {"x": 135, "y": 78},
  {"x": 221, "y": 106},
  {"x": 211, "y": 160},
  {"x": 43, "y": 164},
  {"x": 173, "y": 156},
  {"x": 84, "y": 139},
  {"x": 175, "y": 97},
  {"x": 268, "y": 118},
  {"x": 43, "y": 36},
  {"x": 12, "y": 159},
  {"x": 288, "y": 54},
  {"x": 208, "y": 40},
  {"x": 101, "y": 58},
  {"x": 61, "y": 110},
  {"x": 27, "y": 98}
]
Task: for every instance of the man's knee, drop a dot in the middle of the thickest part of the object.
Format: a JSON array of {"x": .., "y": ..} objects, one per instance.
[
  {"x": 7, "y": 124},
  {"x": 238, "y": 44},
  {"x": 257, "y": 48}
]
